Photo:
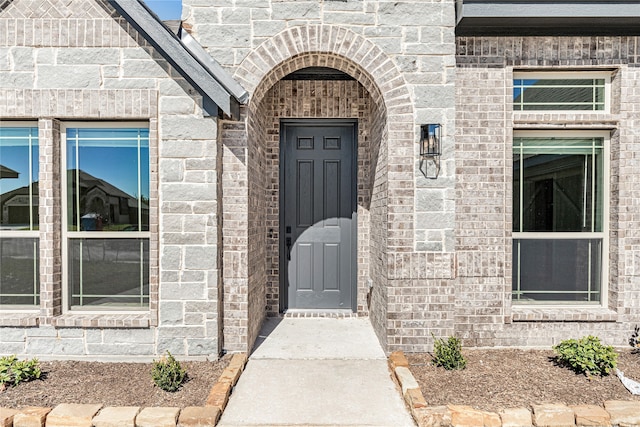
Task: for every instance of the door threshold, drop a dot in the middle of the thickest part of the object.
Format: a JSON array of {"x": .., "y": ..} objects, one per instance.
[{"x": 328, "y": 313}]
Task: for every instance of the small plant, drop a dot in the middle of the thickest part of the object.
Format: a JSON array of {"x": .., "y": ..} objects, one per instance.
[
  {"x": 634, "y": 341},
  {"x": 167, "y": 373},
  {"x": 14, "y": 371},
  {"x": 587, "y": 355},
  {"x": 448, "y": 354}
]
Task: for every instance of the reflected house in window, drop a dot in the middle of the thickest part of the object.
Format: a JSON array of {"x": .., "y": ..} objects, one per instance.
[
  {"x": 6, "y": 172},
  {"x": 15, "y": 203},
  {"x": 105, "y": 207},
  {"x": 101, "y": 205},
  {"x": 14, "y": 207}
]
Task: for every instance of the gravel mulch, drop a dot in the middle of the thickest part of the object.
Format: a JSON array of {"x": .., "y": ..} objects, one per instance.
[
  {"x": 112, "y": 384},
  {"x": 504, "y": 378}
]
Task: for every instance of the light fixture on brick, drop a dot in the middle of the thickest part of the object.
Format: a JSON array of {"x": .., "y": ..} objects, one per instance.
[{"x": 430, "y": 149}]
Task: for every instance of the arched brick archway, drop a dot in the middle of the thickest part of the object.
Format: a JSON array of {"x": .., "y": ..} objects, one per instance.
[
  {"x": 385, "y": 169},
  {"x": 330, "y": 46}
]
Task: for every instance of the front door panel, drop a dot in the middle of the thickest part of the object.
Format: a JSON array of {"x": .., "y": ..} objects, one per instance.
[{"x": 318, "y": 219}]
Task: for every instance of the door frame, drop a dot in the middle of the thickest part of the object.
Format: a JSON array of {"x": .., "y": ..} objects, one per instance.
[{"x": 283, "y": 299}]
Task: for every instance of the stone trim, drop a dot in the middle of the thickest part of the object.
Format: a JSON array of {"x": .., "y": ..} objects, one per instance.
[
  {"x": 27, "y": 320},
  {"x": 498, "y": 52},
  {"x": 60, "y": 31},
  {"x": 423, "y": 265},
  {"x": 68, "y": 104},
  {"x": 521, "y": 313},
  {"x": 102, "y": 320}
]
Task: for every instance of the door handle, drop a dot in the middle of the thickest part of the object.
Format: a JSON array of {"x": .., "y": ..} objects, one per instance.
[{"x": 288, "y": 243}]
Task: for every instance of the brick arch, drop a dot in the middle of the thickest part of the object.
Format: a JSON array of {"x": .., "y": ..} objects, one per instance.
[
  {"x": 330, "y": 46},
  {"x": 387, "y": 170}
]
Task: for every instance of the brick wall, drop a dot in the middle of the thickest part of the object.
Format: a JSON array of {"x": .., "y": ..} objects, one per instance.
[
  {"x": 235, "y": 193},
  {"x": 318, "y": 99},
  {"x": 259, "y": 179},
  {"x": 484, "y": 315}
]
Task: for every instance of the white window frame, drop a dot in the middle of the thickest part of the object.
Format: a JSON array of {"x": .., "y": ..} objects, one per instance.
[
  {"x": 604, "y": 234},
  {"x": 68, "y": 235},
  {"x": 30, "y": 234},
  {"x": 566, "y": 75}
]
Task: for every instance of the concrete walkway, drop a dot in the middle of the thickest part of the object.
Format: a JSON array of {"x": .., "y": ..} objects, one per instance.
[{"x": 316, "y": 372}]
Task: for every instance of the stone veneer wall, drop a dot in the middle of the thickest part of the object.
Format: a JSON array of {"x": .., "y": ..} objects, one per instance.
[
  {"x": 484, "y": 315},
  {"x": 78, "y": 60}
]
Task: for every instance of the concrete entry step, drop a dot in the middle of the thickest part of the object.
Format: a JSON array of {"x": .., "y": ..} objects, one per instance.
[
  {"x": 317, "y": 338},
  {"x": 316, "y": 372}
]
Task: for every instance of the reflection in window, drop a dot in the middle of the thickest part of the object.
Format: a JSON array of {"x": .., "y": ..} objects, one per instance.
[
  {"x": 109, "y": 272},
  {"x": 19, "y": 284},
  {"x": 19, "y": 272},
  {"x": 107, "y": 185},
  {"x": 558, "y": 195},
  {"x": 18, "y": 178},
  {"x": 108, "y": 179},
  {"x": 559, "y": 94}
]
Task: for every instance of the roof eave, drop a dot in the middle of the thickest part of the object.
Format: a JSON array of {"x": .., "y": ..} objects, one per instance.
[
  {"x": 545, "y": 17},
  {"x": 215, "y": 95}
]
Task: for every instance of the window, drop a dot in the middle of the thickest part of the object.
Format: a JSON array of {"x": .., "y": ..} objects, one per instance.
[
  {"x": 573, "y": 91},
  {"x": 19, "y": 243},
  {"x": 559, "y": 218},
  {"x": 107, "y": 216}
]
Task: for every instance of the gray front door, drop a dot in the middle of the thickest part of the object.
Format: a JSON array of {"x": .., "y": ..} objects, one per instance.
[{"x": 318, "y": 214}]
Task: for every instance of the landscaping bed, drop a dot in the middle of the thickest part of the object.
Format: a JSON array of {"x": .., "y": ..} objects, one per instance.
[
  {"x": 112, "y": 384},
  {"x": 495, "y": 379}
]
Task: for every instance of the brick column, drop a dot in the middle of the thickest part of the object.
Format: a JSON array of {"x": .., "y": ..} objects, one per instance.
[
  {"x": 50, "y": 209},
  {"x": 235, "y": 240}
]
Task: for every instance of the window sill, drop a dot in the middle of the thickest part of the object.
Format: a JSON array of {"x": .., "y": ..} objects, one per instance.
[
  {"x": 19, "y": 318},
  {"x": 562, "y": 314},
  {"x": 582, "y": 120},
  {"x": 102, "y": 320}
]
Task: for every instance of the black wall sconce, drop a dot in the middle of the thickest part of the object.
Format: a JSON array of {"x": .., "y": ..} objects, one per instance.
[{"x": 430, "y": 149}]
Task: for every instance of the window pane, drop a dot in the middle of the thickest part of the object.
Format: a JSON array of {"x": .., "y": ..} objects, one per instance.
[
  {"x": 109, "y": 272},
  {"x": 19, "y": 275},
  {"x": 108, "y": 179},
  {"x": 557, "y": 185},
  {"x": 18, "y": 178},
  {"x": 559, "y": 94},
  {"x": 557, "y": 270}
]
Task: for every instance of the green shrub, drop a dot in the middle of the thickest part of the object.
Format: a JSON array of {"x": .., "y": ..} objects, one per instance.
[
  {"x": 448, "y": 354},
  {"x": 634, "y": 341},
  {"x": 587, "y": 355},
  {"x": 14, "y": 371},
  {"x": 167, "y": 373}
]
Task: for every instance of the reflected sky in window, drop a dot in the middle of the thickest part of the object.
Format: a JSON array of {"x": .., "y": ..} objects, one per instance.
[
  {"x": 14, "y": 157},
  {"x": 18, "y": 177},
  {"x": 108, "y": 178}
]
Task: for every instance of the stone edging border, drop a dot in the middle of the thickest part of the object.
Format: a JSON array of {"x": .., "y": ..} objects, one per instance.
[
  {"x": 615, "y": 412},
  {"x": 94, "y": 415},
  {"x": 221, "y": 390}
]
